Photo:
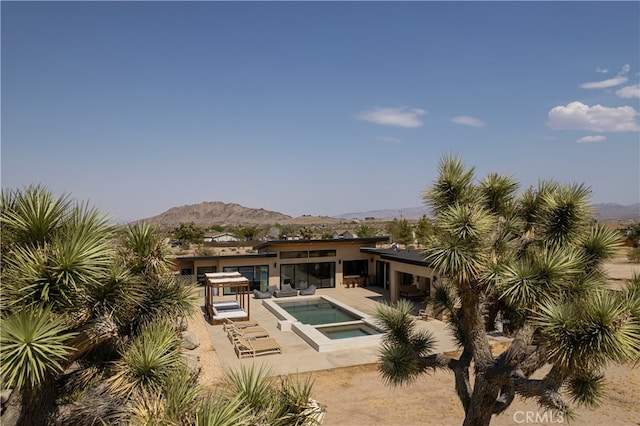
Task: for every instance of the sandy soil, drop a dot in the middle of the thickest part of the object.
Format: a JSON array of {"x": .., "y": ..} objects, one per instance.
[{"x": 357, "y": 396}]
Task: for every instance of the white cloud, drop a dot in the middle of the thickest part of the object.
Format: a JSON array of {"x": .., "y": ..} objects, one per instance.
[
  {"x": 597, "y": 118},
  {"x": 611, "y": 82},
  {"x": 401, "y": 117},
  {"x": 602, "y": 70},
  {"x": 632, "y": 91},
  {"x": 468, "y": 121},
  {"x": 616, "y": 81},
  {"x": 591, "y": 139},
  {"x": 389, "y": 139}
]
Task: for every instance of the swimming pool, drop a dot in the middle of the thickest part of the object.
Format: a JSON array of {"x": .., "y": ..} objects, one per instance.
[
  {"x": 318, "y": 311},
  {"x": 325, "y": 323}
]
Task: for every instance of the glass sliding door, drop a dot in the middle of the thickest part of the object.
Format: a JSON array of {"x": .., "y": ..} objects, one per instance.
[{"x": 303, "y": 275}]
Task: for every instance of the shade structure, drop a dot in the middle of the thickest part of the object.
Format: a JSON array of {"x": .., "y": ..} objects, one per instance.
[{"x": 219, "y": 310}]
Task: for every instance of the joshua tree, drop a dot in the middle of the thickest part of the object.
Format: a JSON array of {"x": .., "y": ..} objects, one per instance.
[
  {"x": 537, "y": 258},
  {"x": 69, "y": 296}
]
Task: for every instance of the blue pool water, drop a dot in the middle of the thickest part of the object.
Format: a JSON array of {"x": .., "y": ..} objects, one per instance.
[
  {"x": 316, "y": 312},
  {"x": 348, "y": 331}
]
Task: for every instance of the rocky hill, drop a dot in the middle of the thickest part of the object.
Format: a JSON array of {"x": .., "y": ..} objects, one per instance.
[{"x": 217, "y": 212}]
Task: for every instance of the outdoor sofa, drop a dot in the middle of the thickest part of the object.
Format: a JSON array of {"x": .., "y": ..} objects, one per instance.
[
  {"x": 285, "y": 291},
  {"x": 311, "y": 290}
]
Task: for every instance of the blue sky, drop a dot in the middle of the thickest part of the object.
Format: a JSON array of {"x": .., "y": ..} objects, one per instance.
[{"x": 315, "y": 108}]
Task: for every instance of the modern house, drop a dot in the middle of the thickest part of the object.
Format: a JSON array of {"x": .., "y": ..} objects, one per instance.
[{"x": 324, "y": 264}]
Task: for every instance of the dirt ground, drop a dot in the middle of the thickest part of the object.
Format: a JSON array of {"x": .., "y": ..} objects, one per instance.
[{"x": 356, "y": 396}]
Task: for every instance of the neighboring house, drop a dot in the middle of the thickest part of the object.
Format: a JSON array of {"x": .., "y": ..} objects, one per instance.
[
  {"x": 220, "y": 237},
  {"x": 344, "y": 234},
  {"x": 322, "y": 263}
]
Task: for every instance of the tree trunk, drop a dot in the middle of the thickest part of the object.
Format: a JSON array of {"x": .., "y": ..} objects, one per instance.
[
  {"x": 38, "y": 404},
  {"x": 483, "y": 400}
]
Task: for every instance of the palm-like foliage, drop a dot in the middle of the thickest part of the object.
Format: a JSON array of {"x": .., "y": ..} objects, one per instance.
[
  {"x": 33, "y": 347},
  {"x": 69, "y": 296},
  {"x": 286, "y": 402},
  {"x": 403, "y": 347},
  {"x": 537, "y": 258},
  {"x": 144, "y": 250},
  {"x": 149, "y": 362}
]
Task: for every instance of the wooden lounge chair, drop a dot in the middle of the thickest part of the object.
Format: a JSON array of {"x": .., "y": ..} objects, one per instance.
[
  {"x": 248, "y": 333},
  {"x": 238, "y": 324},
  {"x": 245, "y": 348}
]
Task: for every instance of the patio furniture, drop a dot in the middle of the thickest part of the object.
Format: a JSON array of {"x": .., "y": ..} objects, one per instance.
[
  {"x": 238, "y": 324},
  {"x": 351, "y": 281},
  {"x": 411, "y": 291},
  {"x": 249, "y": 333},
  {"x": 308, "y": 291},
  {"x": 261, "y": 294},
  {"x": 223, "y": 311},
  {"x": 286, "y": 291},
  {"x": 245, "y": 348}
]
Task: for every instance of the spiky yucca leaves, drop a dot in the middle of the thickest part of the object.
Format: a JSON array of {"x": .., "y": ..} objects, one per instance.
[
  {"x": 459, "y": 247},
  {"x": 274, "y": 402},
  {"x": 120, "y": 295},
  {"x": 565, "y": 213},
  {"x": 33, "y": 347},
  {"x": 167, "y": 299},
  {"x": 296, "y": 405},
  {"x": 403, "y": 346},
  {"x": 589, "y": 335},
  {"x": 57, "y": 268},
  {"x": 498, "y": 193},
  {"x": 452, "y": 187},
  {"x": 254, "y": 384},
  {"x": 149, "y": 362},
  {"x": 182, "y": 393},
  {"x": 216, "y": 410},
  {"x": 587, "y": 389},
  {"x": 31, "y": 216},
  {"x": 144, "y": 251}
]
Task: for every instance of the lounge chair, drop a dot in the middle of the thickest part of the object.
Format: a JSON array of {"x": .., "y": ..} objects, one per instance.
[
  {"x": 253, "y": 348},
  {"x": 308, "y": 291},
  {"x": 249, "y": 333},
  {"x": 285, "y": 291},
  {"x": 238, "y": 324}
]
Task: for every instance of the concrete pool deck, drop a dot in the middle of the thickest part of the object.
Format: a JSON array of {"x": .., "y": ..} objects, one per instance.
[{"x": 298, "y": 356}]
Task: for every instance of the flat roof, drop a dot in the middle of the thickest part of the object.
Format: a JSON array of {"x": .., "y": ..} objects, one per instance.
[
  {"x": 412, "y": 257},
  {"x": 368, "y": 240},
  {"x": 227, "y": 256}
]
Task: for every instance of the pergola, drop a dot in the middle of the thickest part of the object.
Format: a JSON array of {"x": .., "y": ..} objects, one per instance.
[{"x": 218, "y": 311}]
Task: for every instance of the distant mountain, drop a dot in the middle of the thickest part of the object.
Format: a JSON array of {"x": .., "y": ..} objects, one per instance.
[
  {"x": 217, "y": 212},
  {"x": 612, "y": 211},
  {"x": 389, "y": 214},
  {"x": 604, "y": 211}
]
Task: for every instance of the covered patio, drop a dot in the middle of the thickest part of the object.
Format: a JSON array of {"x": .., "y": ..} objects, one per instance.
[{"x": 219, "y": 307}]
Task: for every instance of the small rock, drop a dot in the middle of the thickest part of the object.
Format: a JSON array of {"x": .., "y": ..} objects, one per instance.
[
  {"x": 189, "y": 340},
  {"x": 192, "y": 361}
]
